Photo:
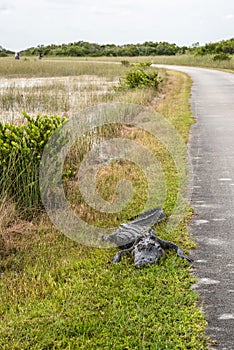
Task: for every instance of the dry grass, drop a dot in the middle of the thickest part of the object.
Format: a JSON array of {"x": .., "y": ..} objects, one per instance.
[
  {"x": 31, "y": 67},
  {"x": 187, "y": 60},
  {"x": 15, "y": 233},
  {"x": 62, "y": 96},
  {"x": 7, "y": 219}
]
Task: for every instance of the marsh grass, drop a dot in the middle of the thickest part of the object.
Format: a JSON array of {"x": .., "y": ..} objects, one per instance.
[
  {"x": 48, "y": 87},
  {"x": 63, "y": 96},
  {"x": 187, "y": 60},
  {"x": 9, "y": 68}
]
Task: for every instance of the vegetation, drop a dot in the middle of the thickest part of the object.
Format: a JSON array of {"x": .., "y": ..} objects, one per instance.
[
  {"x": 5, "y": 52},
  {"x": 57, "y": 294},
  {"x": 222, "y": 57},
  {"x": 82, "y": 48},
  {"x": 139, "y": 76},
  {"x": 224, "y": 46},
  {"x": 148, "y": 48},
  {"x": 210, "y": 61},
  {"x": 26, "y": 67},
  {"x": 21, "y": 150}
]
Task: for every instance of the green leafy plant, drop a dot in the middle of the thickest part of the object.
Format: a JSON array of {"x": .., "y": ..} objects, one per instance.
[
  {"x": 139, "y": 76},
  {"x": 146, "y": 64},
  {"x": 21, "y": 149},
  {"x": 222, "y": 57}
]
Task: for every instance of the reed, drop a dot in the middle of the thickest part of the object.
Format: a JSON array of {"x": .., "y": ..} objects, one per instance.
[
  {"x": 26, "y": 67},
  {"x": 63, "y": 96}
]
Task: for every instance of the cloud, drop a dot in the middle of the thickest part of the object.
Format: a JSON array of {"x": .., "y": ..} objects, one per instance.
[
  {"x": 110, "y": 11},
  {"x": 4, "y": 7},
  {"x": 229, "y": 16},
  {"x": 63, "y": 2}
]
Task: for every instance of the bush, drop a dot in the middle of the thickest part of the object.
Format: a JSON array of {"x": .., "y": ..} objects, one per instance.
[
  {"x": 140, "y": 77},
  {"x": 125, "y": 63},
  {"x": 21, "y": 150},
  {"x": 221, "y": 57}
]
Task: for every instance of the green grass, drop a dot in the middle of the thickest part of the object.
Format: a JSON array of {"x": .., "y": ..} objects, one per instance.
[
  {"x": 64, "y": 296},
  {"x": 57, "y": 294}
]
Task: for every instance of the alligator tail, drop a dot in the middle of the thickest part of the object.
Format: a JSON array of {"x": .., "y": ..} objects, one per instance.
[{"x": 149, "y": 218}]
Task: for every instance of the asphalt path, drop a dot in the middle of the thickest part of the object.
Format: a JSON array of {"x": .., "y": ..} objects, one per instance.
[{"x": 211, "y": 149}]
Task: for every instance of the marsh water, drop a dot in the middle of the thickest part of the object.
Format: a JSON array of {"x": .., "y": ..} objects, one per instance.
[{"x": 55, "y": 95}]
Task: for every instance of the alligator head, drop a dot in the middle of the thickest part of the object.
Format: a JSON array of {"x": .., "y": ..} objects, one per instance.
[{"x": 147, "y": 250}]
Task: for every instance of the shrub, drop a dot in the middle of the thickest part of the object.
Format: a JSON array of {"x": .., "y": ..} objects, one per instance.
[
  {"x": 125, "y": 63},
  {"x": 144, "y": 64},
  {"x": 21, "y": 150},
  {"x": 221, "y": 57},
  {"x": 139, "y": 76}
]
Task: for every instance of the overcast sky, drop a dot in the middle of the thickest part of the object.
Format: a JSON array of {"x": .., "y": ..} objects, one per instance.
[{"x": 25, "y": 23}]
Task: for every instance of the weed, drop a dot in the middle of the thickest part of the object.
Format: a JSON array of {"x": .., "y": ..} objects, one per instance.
[{"x": 222, "y": 57}]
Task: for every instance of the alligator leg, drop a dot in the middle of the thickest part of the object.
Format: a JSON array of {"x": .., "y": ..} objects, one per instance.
[
  {"x": 119, "y": 255},
  {"x": 170, "y": 245}
]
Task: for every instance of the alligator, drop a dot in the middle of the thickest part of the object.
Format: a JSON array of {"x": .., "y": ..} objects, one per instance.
[{"x": 139, "y": 239}]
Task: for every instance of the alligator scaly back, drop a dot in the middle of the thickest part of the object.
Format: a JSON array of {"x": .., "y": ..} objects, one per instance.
[
  {"x": 126, "y": 234},
  {"x": 149, "y": 218}
]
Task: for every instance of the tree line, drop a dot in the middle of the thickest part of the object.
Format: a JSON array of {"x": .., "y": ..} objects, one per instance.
[
  {"x": 5, "y": 52},
  {"x": 148, "y": 48}
]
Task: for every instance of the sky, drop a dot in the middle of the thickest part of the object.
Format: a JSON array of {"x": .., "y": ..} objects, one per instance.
[{"x": 25, "y": 23}]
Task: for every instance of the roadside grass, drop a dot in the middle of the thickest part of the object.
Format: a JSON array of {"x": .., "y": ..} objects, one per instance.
[
  {"x": 175, "y": 105},
  {"x": 196, "y": 61},
  {"x": 70, "y": 297},
  {"x": 57, "y": 294}
]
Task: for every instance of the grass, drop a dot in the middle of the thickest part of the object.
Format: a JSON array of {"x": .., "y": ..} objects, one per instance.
[
  {"x": 187, "y": 60},
  {"x": 57, "y": 294},
  {"x": 62, "y": 93},
  {"x": 81, "y": 302},
  {"x": 196, "y": 61},
  {"x": 32, "y": 67},
  {"x": 63, "y": 96}
]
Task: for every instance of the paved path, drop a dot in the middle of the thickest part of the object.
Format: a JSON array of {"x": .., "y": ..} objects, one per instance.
[{"x": 212, "y": 154}]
